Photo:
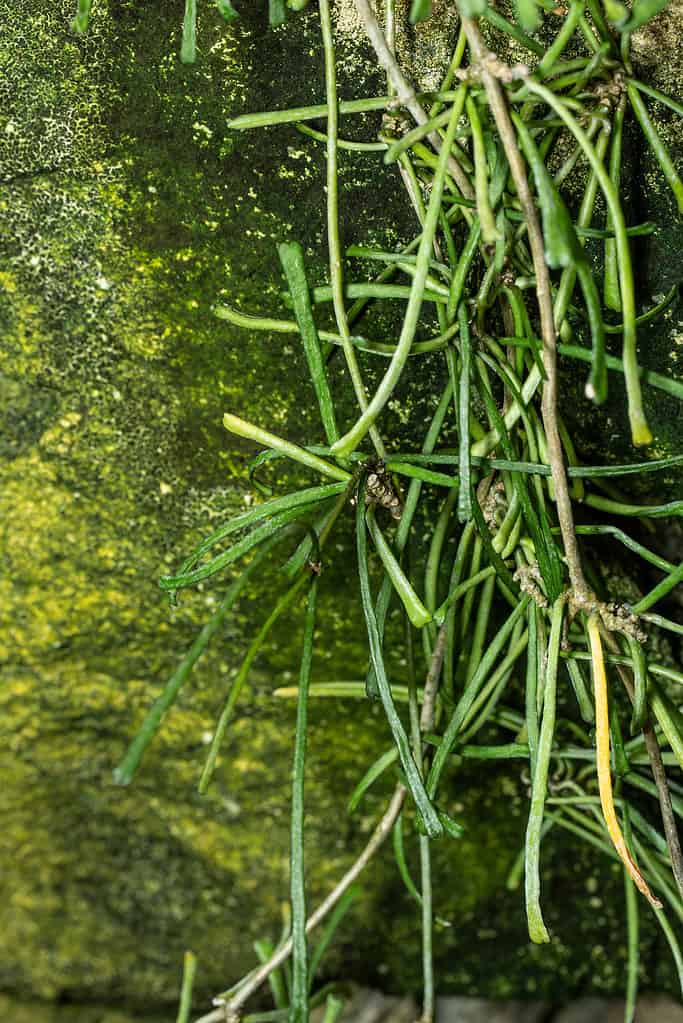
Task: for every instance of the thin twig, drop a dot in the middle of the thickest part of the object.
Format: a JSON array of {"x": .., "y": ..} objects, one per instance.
[
  {"x": 665, "y": 806},
  {"x": 425, "y": 724},
  {"x": 432, "y": 681},
  {"x": 229, "y": 1011},
  {"x": 498, "y": 105},
  {"x": 405, "y": 93}
]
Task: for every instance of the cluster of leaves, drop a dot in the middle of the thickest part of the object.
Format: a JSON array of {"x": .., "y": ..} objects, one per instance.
[{"x": 496, "y": 614}]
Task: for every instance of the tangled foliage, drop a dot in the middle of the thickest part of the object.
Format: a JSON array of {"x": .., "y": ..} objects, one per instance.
[{"x": 506, "y": 272}]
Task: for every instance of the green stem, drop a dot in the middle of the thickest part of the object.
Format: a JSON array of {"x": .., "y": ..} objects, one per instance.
[
  {"x": 640, "y": 431},
  {"x": 537, "y": 929},
  {"x": 299, "y": 1006},
  {"x": 661, "y": 97},
  {"x": 661, "y": 153},
  {"x": 348, "y": 144},
  {"x": 333, "y": 242},
  {"x": 189, "y": 970},
  {"x": 292, "y": 259},
  {"x": 489, "y": 232},
  {"x": 123, "y": 774},
  {"x": 238, "y": 684},
  {"x": 611, "y": 280},
  {"x": 242, "y": 428},
  {"x": 530, "y": 691},
  {"x": 412, "y": 773},
  {"x": 415, "y": 609},
  {"x": 188, "y": 46},
  {"x": 561, "y": 40},
  {"x": 352, "y": 439},
  {"x": 469, "y": 695}
]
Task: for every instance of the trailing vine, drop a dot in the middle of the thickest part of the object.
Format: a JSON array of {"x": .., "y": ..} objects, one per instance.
[{"x": 490, "y": 282}]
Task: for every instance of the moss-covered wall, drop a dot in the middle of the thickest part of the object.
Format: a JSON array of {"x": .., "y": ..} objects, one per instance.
[{"x": 126, "y": 210}]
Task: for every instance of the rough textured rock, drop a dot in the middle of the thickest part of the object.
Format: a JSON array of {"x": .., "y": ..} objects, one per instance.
[{"x": 126, "y": 210}]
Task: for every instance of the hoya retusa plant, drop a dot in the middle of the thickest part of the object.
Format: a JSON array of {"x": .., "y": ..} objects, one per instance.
[{"x": 500, "y": 281}]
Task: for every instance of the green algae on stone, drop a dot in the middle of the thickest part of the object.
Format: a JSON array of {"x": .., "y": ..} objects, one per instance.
[{"x": 127, "y": 210}]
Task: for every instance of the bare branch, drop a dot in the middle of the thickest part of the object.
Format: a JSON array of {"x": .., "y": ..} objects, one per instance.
[
  {"x": 229, "y": 1011},
  {"x": 497, "y": 102}
]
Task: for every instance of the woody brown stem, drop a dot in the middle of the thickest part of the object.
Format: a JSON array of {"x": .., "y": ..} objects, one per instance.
[{"x": 498, "y": 105}]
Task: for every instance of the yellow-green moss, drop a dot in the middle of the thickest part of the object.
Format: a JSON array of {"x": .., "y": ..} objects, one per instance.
[{"x": 120, "y": 226}]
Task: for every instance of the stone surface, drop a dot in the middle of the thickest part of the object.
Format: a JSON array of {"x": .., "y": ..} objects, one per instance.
[
  {"x": 127, "y": 209},
  {"x": 650, "y": 1009},
  {"x": 476, "y": 1010}
]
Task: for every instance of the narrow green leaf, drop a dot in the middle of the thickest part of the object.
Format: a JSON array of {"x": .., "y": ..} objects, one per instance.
[
  {"x": 460, "y": 273},
  {"x": 659, "y": 150},
  {"x": 308, "y": 497},
  {"x": 512, "y": 30},
  {"x": 537, "y": 929},
  {"x": 237, "y": 685},
  {"x": 416, "y": 472},
  {"x": 80, "y": 23},
  {"x": 644, "y": 511},
  {"x": 299, "y": 1006},
  {"x": 528, "y": 14},
  {"x": 658, "y": 380},
  {"x": 226, "y": 9},
  {"x": 415, "y": 609},
  {"x": 242, "y": 428},
  {"x": 561, "y": 40},
  {"x": 238, "y": 550},
  {"x": 668, "y": 719},
  {"x": 642, "y": 11},
  {"x": 640, "y": 431},
  {"x": 401, "y": 862},
  {"x": 648, "y": 317},
  {"x": 189, "y": 970},
  {"x": 126, "y": 769},
  {"x": 412, "y": 773},
  {"x": 292, "y": 258},
  {"x": 371, "y": 775},
  {"x": 188, "y": 46},
  {"x": 489, "y": 231},
  {"x": 420, "y": 10},
  {"x": 461, "y": 390},
  {"x": 531, "y": 687},
  {"x": 562, "y": 247},
  {"x": 661, "y": 97},
  {"x": 611, "y": 292},
  {"x": 580, "y": 691},
  {"x": 640, "y": 709},
  {"x": 596, "y": 385},
  {"x": 277, "y": 13}
]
